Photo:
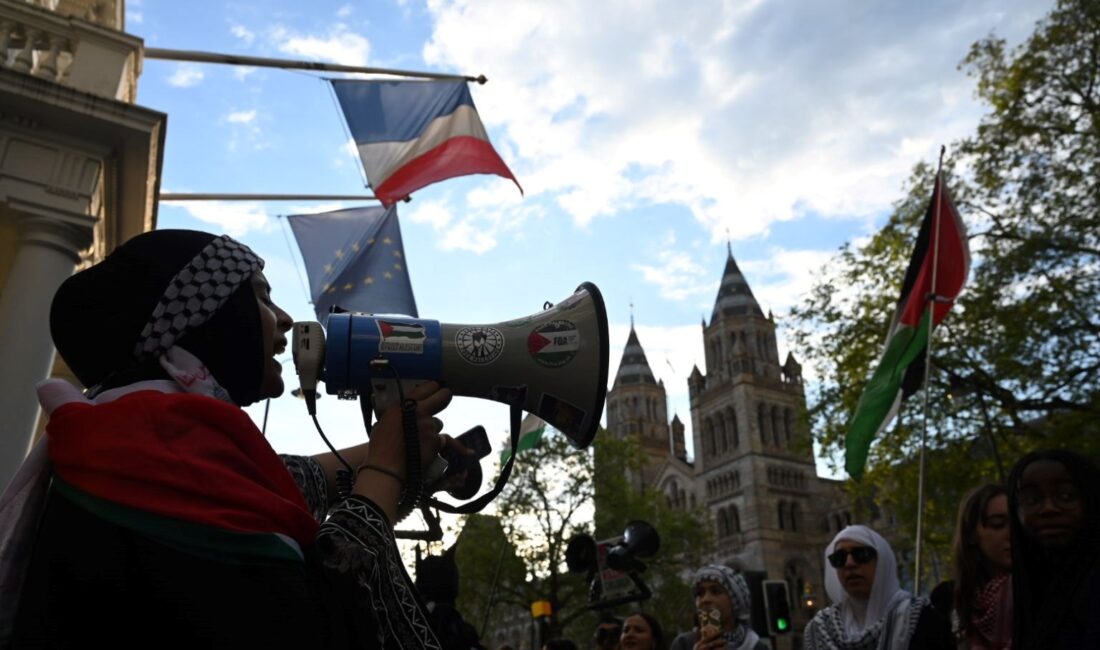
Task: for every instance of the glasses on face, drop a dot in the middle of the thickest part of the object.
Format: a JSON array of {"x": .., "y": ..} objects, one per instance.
[
  {"x": 861, "y": 554},
  {"x": 1032, "y": 500}
]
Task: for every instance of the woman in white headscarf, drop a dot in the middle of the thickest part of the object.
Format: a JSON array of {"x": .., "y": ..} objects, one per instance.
[{"x": 870, "y": 610}]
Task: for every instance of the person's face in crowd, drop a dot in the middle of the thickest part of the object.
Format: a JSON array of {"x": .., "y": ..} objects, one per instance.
[
  {"x": 637, "y": 635},
  {"x": 992, "y": 534},
  {"x": 711, "y": 595},
  {"x": 274, "y": 324},
  {"x": 607, "y": 636},
  {"x": 1050, "y": 506},
  {"x": 856, "y": 577}
]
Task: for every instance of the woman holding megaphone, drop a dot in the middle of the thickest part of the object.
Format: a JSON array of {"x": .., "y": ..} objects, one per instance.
[{"x": 170, "y": 521}]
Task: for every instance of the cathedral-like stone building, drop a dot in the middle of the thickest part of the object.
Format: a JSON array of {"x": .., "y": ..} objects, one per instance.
[{"x": 753, "y": 468}]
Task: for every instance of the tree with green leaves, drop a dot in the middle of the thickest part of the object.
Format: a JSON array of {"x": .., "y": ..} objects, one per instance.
[
  {"x": 547, "y": 501},
  {"x": 1016, "y": 365},
  {"x": 512, "y": 559}
]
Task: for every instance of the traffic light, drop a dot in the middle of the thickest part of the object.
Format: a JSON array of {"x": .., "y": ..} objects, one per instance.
[{"x": 777, "y": 606}]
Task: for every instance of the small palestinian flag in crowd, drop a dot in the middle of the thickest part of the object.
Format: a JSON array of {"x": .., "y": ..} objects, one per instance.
[
  {"x": 530, "y": 435},
  {"x": 937, "y": 272}
]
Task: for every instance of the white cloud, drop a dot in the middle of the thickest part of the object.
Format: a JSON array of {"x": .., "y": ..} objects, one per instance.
[
  {"x": 477, "y": 228},
  {"x": 339, "y": 45},
  {"x": 784, "y": 277},
  {"x": 676, "y": 273},
  {"x": 186, "y": 75},
  {"x": 348, "y": 152},
  {"x": 243, "y": 33},
  {"x": 435, "y": 213},
  {"x": 245, "y": 129},
  {"x": 135, "y": 17},
  {"x": 241, "y": 117},
  {"x": 235, "y": 218},
  {"x": 746, "y": 113},
  {"x": 241, "y": 72},
  {"x": 345, "y": 11}
]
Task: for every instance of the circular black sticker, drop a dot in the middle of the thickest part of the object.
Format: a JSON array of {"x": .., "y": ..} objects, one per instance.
[{"x": 479, "y": 345}]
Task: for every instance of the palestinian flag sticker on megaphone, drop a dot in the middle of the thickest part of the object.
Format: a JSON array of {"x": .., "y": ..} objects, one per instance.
[{"x": 554, "y": 344}]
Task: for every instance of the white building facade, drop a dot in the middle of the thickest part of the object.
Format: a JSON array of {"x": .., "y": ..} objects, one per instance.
[{"x": 79, "y": 174}]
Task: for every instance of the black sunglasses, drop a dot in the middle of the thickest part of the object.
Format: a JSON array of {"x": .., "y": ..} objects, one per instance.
[{"x": 861, "y": 554}]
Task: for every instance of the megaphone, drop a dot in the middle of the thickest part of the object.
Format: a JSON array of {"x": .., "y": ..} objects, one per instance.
[
  {"x": 552, "y": 363},
  {"x": 640, "y": 540},
  {"x": 595, "y": 559}
]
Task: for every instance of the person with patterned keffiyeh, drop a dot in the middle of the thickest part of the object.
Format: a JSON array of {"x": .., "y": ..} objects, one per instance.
[
  {"x": 870, "y": 611},
  {"x": 721, "y": 589},
  {"x": 155, "y": 514},
  {"x": 978, "y": 601}
]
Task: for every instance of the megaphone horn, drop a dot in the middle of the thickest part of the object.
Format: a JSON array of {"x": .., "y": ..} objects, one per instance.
[{"x": 552, "y": 363}]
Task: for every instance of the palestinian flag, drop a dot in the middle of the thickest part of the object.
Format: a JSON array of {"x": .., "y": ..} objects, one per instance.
[
  {"x": 530, "y": 435},
  {"x": 901, "y": 369},
  {"x": 410, "y": 331}
]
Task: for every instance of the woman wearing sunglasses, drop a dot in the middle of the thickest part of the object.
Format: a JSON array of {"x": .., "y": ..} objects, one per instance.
[{"x": 870, "y": 610}]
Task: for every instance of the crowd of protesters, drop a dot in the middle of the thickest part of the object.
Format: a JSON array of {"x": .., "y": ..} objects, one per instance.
[{"x": 1026, "y": 576}]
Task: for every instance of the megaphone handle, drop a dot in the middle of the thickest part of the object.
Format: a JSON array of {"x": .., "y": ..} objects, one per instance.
[
  {"x": 478, "y": 504},
  {"x": 414, "y": 485}
]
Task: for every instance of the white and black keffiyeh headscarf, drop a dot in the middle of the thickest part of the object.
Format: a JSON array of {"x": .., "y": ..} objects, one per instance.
[
  {"x": 196, "y": 293},
  {"x": 740, "y": 598},
  {"x": 167, "y": 302},
  {"x": 890, "y": 614}
]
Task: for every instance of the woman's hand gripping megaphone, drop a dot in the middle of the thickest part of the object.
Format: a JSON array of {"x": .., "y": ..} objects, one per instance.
[{"x": 381, "y": 478}]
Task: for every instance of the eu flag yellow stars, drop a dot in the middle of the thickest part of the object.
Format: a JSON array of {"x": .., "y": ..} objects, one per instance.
[{"x": 355, "y": 259}]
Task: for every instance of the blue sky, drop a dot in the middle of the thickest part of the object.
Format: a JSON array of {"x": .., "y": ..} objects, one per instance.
[{"x": 644, "y": 134}]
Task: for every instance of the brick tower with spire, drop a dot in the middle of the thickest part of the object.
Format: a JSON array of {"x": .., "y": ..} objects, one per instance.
[{"x": 753, "y": 471}]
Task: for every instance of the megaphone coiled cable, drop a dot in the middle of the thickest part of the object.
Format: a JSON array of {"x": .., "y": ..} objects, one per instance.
[{"x": 414, "y": 486}]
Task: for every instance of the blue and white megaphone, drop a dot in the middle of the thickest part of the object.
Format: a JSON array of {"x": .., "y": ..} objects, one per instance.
[{"x": 552, "y": 363}]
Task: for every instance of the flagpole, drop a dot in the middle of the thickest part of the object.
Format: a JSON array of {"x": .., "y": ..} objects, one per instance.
[
  {"x": 214, "y": 196},
  {"x": 931, "y": 298},
  {"x": 294, "y": 64}
]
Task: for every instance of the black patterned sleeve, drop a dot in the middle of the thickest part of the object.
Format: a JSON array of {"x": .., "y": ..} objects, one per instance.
[
  {"x": 358, "y": 551},
  {"x": 310, "y": 478}
]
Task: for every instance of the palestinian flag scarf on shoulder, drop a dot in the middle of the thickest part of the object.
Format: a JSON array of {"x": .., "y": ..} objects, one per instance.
[{"x": 168, "y": 459}]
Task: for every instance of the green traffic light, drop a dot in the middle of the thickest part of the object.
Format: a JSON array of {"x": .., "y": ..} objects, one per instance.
[{"x": 781, "y": 624}]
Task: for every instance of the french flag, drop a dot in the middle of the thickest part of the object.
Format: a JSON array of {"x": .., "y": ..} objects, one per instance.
[{"x": 411, "y": 134}]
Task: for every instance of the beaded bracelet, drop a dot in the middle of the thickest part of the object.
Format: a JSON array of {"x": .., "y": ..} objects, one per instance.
[{"x": 382, "y": 470}]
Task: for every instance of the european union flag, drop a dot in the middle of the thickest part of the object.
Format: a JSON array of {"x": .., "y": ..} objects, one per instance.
[{"x": 355, "y": 259}]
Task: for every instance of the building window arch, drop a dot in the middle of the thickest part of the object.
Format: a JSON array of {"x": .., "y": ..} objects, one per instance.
[
  {"x": 762, "y": 422},
  {"x": 735, "y": 435},
  {"x": 794, "y": 517},
  {"x": 722, "y": 437},
  {"x": 775, "y": 425},
  {"x": 782, "y": 508},
  {"x": 787, "y": 417}
]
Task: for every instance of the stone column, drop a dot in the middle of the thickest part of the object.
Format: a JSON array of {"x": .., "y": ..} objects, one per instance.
[{"x": 46, "y": 254}]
